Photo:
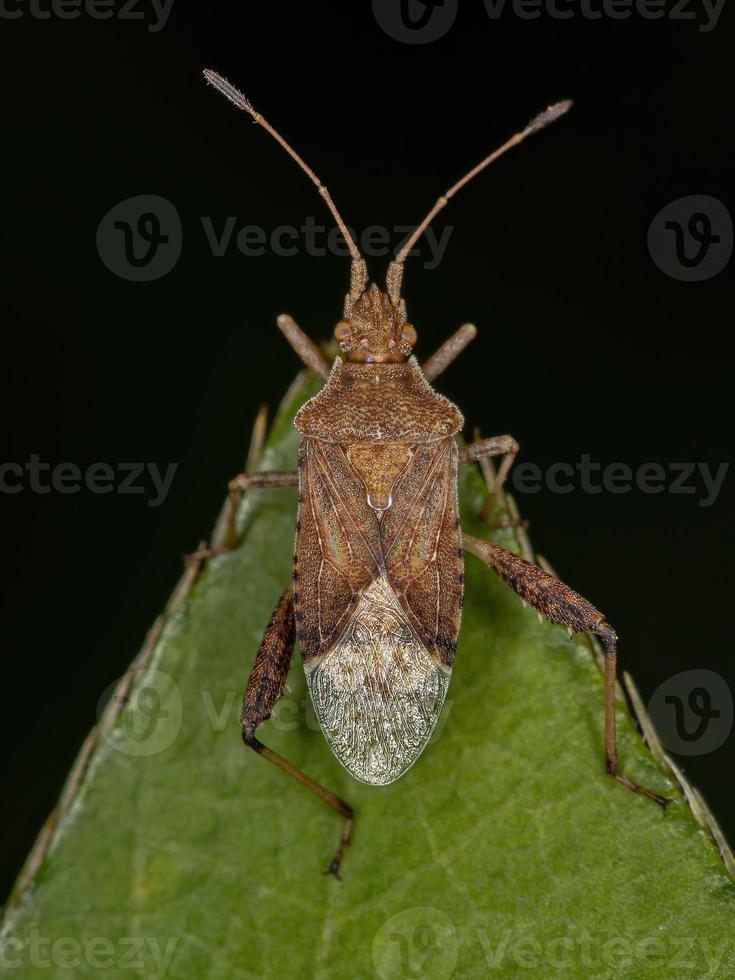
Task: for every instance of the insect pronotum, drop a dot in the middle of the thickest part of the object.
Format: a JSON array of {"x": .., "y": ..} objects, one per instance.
[{"x": 376, "y": 594}]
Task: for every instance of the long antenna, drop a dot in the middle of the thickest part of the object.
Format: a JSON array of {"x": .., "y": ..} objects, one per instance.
[
  {"x": 359, "y": 272},
  {"x": 395, "y": 269}
]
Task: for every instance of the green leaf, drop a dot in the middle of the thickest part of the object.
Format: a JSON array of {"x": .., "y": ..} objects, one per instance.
[{"x": 505, "y": 851}]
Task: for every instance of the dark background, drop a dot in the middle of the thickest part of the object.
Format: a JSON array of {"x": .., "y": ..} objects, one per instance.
[{"x": 585, "y": 345}]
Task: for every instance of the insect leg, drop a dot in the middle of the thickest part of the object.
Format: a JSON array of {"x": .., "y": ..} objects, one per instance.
[
  {"x": 265, "y": 685},
  {"x": 449, "y": 350},
  {"x": 247, "y": 481},
  {"x": 494, "y": 446},
  {"x": 304, "y": 346},
  {"x": 237, "y": 486},
  {"x": 560, "y": 604}
]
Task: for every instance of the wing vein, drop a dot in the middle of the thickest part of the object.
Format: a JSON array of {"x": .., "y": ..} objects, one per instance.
[{"x": 417, "y": 503}]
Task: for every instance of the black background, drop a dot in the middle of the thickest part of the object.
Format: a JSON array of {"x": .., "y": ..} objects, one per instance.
[{"x": 585, "y": 345}]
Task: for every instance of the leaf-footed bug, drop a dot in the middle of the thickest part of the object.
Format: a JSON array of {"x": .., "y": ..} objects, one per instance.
[{"x": 376, "y": 595}]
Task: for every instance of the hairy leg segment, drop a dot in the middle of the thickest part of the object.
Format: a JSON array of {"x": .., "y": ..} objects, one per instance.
[{"x": 560, "y": 604}]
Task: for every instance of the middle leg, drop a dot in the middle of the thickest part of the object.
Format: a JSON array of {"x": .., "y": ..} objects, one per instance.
[
  {"x": 250, "y": 481},
  {"x": 504, "y": 446},
  {"x": 235, "y": 488}
]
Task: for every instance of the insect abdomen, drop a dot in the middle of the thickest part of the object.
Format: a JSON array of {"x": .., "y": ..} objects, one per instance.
[{"x": 377, "y": 693}]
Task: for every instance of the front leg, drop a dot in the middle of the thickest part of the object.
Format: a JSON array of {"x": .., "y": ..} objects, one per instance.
[
  {"x": 265, "y": 686},
  {"x": 560, "y": 604},
  {"x": 304, "y": 346},
  {"x": 449, "y": 350}
]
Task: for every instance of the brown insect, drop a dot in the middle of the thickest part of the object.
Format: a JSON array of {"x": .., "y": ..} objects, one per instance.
[{"x": 376, "y": 595}]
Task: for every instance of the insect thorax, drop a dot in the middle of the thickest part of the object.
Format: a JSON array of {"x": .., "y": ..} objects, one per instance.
[{"x": 378, "y": 403}]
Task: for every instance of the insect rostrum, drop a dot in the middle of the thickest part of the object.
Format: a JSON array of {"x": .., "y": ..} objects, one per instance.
[{"x": 378, "y": 570}]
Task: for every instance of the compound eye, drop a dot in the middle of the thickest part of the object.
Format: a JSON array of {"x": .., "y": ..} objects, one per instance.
[
  {"x": 343, "y": 331},
  {"x": 408, "y": 332}
]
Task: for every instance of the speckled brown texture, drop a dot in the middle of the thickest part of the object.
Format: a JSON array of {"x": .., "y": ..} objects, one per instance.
[
  {"x": 551, "y": 597},
  {"x": 379, "y": 465},
  {"x": 268, "y": 676},
  {"x": 376, "y": 326},
  {"x": 378, "y": 403}
]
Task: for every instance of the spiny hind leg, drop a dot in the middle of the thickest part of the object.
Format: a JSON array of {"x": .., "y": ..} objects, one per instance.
[
  {"x": 507, "y": 447},
  {"x": 265, "y": 686},
  {"x": 560, "y": 604},
  {"x": 449, "y": 351}
]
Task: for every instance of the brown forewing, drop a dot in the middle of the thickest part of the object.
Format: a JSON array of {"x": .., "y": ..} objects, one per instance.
[
  {"x": 422, "y": 546},
  {"x": 342, "y": 546},
  {"x": 338, "y": 550}
]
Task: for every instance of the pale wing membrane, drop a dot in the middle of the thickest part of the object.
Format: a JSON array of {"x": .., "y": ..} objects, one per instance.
[{"x": 377, "y": 693}]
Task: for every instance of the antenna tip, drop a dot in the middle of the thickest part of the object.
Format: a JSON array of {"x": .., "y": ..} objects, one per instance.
[
  {"x": 550, "y": 115},
  {"x": 211, "y": 76},
  {"x": 229, "y": 91}
]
